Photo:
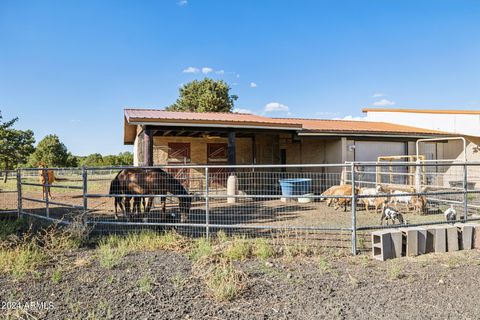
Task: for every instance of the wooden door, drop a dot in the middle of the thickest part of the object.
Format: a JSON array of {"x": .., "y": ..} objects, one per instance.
[
  {"x": 217, "y": 153},
  {"x": 179, "y": 154}
]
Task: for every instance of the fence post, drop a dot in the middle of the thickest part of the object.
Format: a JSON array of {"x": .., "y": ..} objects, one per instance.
[
  {"x": 207, "y": 213},
  {"x": 465, "y": 195},
  {"x": 19, "y": 193},
  {"x": 354, "y": 211},
  {"x": 84, "y": 193},
  {"x": 47, "y": 186}
]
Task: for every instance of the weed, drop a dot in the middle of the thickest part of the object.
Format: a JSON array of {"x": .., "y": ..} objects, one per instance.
[
  {"x": 178, "y": 281},
  {"x": 145, "y": 284},
  {"x": 201, "y": 248},
  {"x": 110, "y": 279},
  {"x": 150, "y": 241},
  {"x": 110, "y": 252},
  {"x": 57, "y": 276},
  {"x": 361, "y": 243},
  {"x": 353, "y": 281},
  {"x": 395, "y": 272},
  {"x": 14, "y": 227},
  {"x": 222, "y": 237},
  {"x": 262, "y": 249},
  {"x": 324, "y": 266},
  {"x": 21, "y": 260},
  {"x": 238, "y": 249},
  {"x": 225, "y": 282}
]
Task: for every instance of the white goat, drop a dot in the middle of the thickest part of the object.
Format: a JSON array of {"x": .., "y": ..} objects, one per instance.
[
  {"x": 407, "y": 200},
  {"x": 373, "y": 201},
  {"x": 389, "y": 213},
  {"x": 450, "y": 214}
]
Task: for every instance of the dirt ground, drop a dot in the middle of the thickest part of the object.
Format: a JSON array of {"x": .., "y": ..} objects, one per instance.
[{"x": 330, "y": 286}]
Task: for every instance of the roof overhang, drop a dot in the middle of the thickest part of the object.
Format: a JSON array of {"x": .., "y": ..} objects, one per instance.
[
  {"x": 368, "y": 134},
  {"x": 130, "y": 126}
]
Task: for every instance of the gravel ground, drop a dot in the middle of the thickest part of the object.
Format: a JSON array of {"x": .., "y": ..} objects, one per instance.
[{"x": 164, "y": 285}]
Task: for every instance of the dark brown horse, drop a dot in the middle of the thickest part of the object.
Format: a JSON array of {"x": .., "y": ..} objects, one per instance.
[{"x": 151, "y": 181}]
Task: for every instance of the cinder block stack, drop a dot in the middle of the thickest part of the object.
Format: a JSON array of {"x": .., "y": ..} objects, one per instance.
[{"x": 394, "y": 243}]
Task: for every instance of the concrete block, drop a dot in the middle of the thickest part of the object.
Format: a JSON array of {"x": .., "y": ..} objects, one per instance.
[
  {"x": 436, "y": 239},
  {"x": 476, "y": 237},
  {"x": 386, "y": 244},
  {"x": 414, "y": 241},
  {"x": 396, "y": 237},
  {"x": 452, "y": 238},
  {"x": 466, "y": 231}
]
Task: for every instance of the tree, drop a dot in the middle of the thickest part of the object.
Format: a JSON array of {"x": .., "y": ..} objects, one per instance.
[
  {"x": 15, "y": 145},
  {"x": 97, "y": 160},
  {"x": 125, "y": 158},
  {"x": 93, "y": 160},
  {"x": 206, "y": 95},
  {"x": 51, "y": 151}
]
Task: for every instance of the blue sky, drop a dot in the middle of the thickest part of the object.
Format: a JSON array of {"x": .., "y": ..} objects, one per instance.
[{"x": 70, "y": 67}]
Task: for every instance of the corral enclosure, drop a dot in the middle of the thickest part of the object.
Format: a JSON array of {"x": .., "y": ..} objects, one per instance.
[{"x": 251, "y": 200}]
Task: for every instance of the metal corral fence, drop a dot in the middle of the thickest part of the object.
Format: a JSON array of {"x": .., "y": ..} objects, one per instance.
[
  {"x": 281, "y": 201},
  {"x": 8, "y": 193}
]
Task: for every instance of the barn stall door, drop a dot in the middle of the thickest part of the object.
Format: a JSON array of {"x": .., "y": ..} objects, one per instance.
[
  {"x": 371, "y": 150},
  {"x": 217, "y": 154},
  {"x": 179, "y": 154}
]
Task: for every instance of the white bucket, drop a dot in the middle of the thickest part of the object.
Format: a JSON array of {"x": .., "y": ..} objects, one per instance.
[{"x": 306, "y": 200}]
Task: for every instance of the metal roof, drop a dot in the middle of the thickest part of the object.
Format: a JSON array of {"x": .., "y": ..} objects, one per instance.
[{"x": 134, "y": 117}]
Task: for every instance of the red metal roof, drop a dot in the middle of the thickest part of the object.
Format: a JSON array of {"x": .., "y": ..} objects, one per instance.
[
  {"x": 244, "y": 120},
  {"x": 135, "y": 115}
]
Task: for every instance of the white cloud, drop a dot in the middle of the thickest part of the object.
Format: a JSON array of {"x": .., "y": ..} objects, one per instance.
[
  {"x": 352, "y": 118},
  {"x": 241, "y": 110},
  {"x": 253, "y": 85},
  {"x": 206, "y": 70},
  {"x": 191, "y": 70},
  {"x": 275, "y": 106},
  {"x": 383, "y": 103},
  {"x": 378, "y": 95},
  {"x": 182, "y": 3},
  {"x": 220, "y": 72}
]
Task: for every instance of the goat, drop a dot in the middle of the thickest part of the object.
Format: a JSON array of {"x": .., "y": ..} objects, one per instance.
[
  {"x": 330, "y": 192},
  {"x": 388, "y": 213},
  {"x": 450, "y": 214},
  {"x": 345, "y": 191},
  {"x": 374, "y": 201},
  {"x": 407, "y": 200}
]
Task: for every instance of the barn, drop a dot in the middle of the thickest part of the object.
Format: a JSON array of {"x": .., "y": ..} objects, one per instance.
[
  {"x": 163, "y": 137},
  {"x": 465, "y": 123}
]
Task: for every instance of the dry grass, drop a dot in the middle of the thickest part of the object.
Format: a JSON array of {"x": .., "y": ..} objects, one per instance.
[
  {"x": 21, "y": 260},
  {"x": 224, "y": 281},
  {"x": 113, "y": 248}
]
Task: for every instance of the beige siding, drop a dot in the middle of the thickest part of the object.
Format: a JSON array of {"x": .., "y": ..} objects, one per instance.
[{"x": 198, "y": 149}]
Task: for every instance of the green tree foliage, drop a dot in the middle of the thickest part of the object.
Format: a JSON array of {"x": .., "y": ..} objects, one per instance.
[
  {"x": 15, "y": 145},
  {"x": 51, "y": 151},
  {"x": 206, "y": 95},
  {"x": 97, "y": 160},
  {"x": 93, "y": 160}
]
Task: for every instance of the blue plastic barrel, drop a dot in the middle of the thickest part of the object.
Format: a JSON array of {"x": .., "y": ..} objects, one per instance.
[{"x": 295, "y": 187}]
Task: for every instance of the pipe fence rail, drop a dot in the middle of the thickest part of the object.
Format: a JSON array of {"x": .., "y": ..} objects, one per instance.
[{"x": 333, "y": 205}]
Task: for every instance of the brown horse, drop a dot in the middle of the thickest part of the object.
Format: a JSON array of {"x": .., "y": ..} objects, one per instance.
[
  {"x": 152, "y": 181},
  {"x": 47, "y": 177}
]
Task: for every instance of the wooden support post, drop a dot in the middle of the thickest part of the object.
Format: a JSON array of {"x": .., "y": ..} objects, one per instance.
[
  {"x": 231, "y": 148},
  {"x": 148, "y": 146}
]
